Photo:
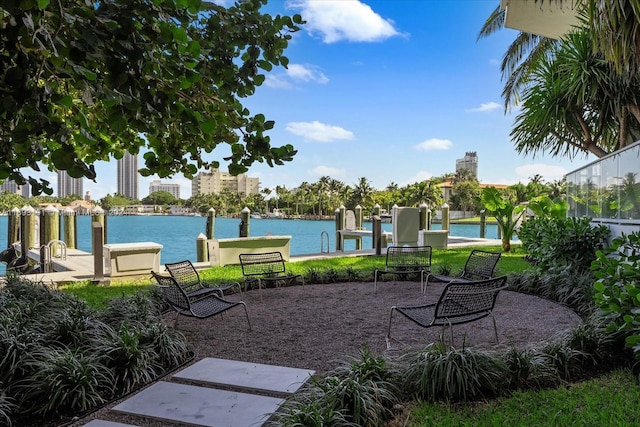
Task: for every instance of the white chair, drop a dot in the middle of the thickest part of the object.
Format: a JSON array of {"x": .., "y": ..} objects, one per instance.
[{"x": 405, "y": 226}]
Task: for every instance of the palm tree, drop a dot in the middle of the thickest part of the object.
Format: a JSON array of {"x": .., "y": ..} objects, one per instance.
[
  {"x": 363, "y": 193},
  {"x": 519, "y": 59},
  {"x": 576, "y": 103}
]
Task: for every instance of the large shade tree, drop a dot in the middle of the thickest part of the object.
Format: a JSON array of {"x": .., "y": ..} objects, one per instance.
[{"x": 84, "y": 81}]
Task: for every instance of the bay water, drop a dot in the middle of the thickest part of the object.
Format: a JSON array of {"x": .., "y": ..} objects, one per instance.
[{"x": 178, "y": 234}]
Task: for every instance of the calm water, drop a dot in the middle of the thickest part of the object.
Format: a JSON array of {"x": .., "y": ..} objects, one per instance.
[{"x": 178, "y": 234}]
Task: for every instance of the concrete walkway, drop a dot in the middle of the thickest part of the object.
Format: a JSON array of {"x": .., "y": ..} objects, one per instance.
[{"x": 213, "y": 392}]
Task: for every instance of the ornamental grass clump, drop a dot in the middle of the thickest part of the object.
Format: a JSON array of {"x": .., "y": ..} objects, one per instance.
[
  {"x": 59, "y": 357},
  {"x": 361, "y": 391},
  {"x": 527, "y": 368},
  {"x": 440, "y": 372}
]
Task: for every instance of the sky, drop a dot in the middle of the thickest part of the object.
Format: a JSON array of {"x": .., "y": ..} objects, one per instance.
[{"x": 391, "y": 90}]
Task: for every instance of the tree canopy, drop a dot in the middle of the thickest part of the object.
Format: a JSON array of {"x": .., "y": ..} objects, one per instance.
[{"x": 84, "y": 81}]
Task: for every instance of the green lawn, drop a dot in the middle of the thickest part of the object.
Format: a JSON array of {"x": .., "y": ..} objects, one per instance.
[{"x": 610, "y": 400}]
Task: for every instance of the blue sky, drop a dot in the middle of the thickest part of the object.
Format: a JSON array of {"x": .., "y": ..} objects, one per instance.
[{"x": 391, "y": 90}]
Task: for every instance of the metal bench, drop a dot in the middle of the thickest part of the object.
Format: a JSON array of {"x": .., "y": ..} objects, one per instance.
[
  {"x": 406, "y": 260},
  {"x": 266, "y": 268}
]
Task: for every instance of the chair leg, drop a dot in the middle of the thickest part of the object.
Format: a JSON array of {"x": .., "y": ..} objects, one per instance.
[
  {"x": 175, "y": 320},
  {"x": 375, "y": 281},
  {"x": 246, "y": 314},
  {"x": 388, "y": 338},
  {"x": 495, "y": 328}
]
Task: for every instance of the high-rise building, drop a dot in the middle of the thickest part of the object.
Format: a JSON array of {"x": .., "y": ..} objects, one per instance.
[
  {"x": 10, "y": 187},
  {"x": 157, "y": 185},
  {"x": 469, "y": 161},
  {"x": 68, "y": 186},
  {"x": 215, "y": 182},
  {"x": 128, "y": 175}
]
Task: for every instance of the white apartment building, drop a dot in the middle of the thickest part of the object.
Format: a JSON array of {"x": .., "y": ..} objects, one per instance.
[
  {"x": 469, "y": 161},
  {"x": 215, "y": 182},
  {"x": 157, "y": 185},
  {"x": 12, "y": 187},
  {"x": 68, "y": 186},
  {"x": 128, "y": 176}
]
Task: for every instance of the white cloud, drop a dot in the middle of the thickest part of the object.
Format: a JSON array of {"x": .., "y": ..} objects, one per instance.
[
  {"x": 327, "y": 171},
  {"x": 548, "y": 172},
  {"x": 349, "y": 20},
  {"x": 296, "y": 73},
  {"x": 434, "y": 144},
  {"x": 277, "y": 81},
  {"x": 320, "y": 132},
  {"x": 495, "y": 62},
  {"x": 484, "y": 107},
  {"x": 306, "y": 73}
]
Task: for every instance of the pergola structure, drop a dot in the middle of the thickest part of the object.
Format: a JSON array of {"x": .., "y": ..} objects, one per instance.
[{"x": 548, "y": 18}]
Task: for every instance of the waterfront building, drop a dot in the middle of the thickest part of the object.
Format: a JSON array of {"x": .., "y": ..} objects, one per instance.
[
  {"x": 11, "y": 187},
  {"x": 68, "y": 186},
  {"x": 128, "y": 176},
  {"x": 157, "y": 185},
  {"x": 469, "y": 161},
  {"x": 215, "y": 182}
]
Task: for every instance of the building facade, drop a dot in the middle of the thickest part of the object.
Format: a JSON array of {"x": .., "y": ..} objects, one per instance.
[
  {"x": 68, "y": 186},
  {"x": 157, "y": 185},
  {"x": 215, "y": 182},
  {"x": 469, "y": 161},
  {"x": 128, "y": 176}
]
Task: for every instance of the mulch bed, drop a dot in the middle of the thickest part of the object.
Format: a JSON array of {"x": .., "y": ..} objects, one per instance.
[{"x": 316, "y": 326}]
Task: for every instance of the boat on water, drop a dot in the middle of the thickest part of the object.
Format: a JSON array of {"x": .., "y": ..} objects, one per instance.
[
  {"x": 256, "y": 215},
  {"x": 275, "y": 214}
]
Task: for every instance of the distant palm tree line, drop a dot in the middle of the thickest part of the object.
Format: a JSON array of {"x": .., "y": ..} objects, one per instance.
[{"x": 323, "y": 197}]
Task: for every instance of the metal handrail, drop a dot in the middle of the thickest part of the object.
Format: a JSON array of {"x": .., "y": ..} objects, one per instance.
[{"x": 322, "y": 235}]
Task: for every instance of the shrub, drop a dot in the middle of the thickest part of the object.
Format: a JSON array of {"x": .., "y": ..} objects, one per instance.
[
  {"x": 310, "y": 411},
  {"x": 618, "y": 288},
  {"x": 527, "y": 368},
  {"x": 361, "y": 391},
  {"x": 569, "y": 287},
  {"x": 66, "y": 381},
  {"x": 364, "y": 387},
  {"x": 562, "y": 243},
  {"x": 58, "y": 356},
  {"x": 438, "y": 372},
  {"x": 6, "y": 409}
]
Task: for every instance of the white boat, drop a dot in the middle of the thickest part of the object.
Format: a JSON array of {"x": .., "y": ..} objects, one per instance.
[{"x": 275, "y": 214}]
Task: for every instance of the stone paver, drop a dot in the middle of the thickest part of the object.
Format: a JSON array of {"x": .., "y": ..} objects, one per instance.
[
  {"x": 200, "y": 406},
  {"x": 253, "y": 377},
  {"x": 103, "y": 423}
]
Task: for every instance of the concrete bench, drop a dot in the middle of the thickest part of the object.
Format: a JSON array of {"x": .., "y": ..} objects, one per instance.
[
  {"x": 129, "y": 259},
  {"x": 434, "y": 238},
  {"x": 227, "y": 251}
]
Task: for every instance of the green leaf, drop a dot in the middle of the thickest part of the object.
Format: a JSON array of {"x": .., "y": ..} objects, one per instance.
[
  {"x": 208, "y": 126},
  {"x": 42, "y": 4}
]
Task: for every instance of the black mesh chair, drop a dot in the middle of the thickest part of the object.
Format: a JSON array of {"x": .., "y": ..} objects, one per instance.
[
  {"x": 203, "y": 307},
  {"x": 460, "y": 302},
  {"x": 187, "y": 276},
  {"x": 406, "y": 260},
  {"x": 479, "y": 265}
]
